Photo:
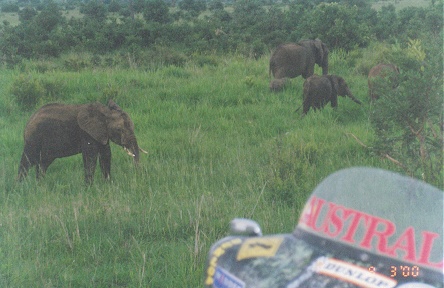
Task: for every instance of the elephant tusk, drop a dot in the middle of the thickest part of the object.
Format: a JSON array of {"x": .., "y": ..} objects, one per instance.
[
  {"x": 129, "y": 152},
  {"x": 143, "y": 151}
]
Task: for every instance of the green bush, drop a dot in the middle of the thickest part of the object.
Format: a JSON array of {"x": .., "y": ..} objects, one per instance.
[
  {"x": 159, "y": 56},
  {"x": 205, "y": 60},
  {"x": 408, "y": 56},
  {"x": 248, "y": 28},
  {"x": 110, "y": 92},
  {"x": 28, "y": 91},
  {"x": 39, "y": 66},
  {"x": 156, "y": 11},
  {"x": 10, "y": 7},
  {"x": 75, "y": 63},
  {"x": 339, "y": 26},
  {"x": 290, "y": 162},
  {"x": 408, "y": 120}
]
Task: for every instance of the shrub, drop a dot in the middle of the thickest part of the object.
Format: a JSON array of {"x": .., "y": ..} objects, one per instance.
[
  {"x": 340, "y": 26},
  {"x": 204, "y": 60},
  {"x": 28, "y": 91},
  {"x": 156, "y": 11},
  {"x": 408, "y": 120},
  {"x": 110, "y": 92},
  {"x": 167, "y": 56},
  {"x": 10, "y": 7},
  {"x": 96, "y": 61},
  {"x": 75, "y": 63},
  {"x": 291, "y": 161}
]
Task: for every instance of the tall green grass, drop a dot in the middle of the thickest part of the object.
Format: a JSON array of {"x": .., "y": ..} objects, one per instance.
[{"x": 220, "y": 146}]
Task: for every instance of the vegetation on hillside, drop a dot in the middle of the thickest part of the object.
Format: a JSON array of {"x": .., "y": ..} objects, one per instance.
[{"x": 191, "y": 26}]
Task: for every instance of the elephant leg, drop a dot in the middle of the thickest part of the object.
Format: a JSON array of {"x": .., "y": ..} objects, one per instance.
[
  {"x": 89, "y": 154},
  {"x": 105, "y": 161},
  {"x": 308, "y": 72},
  {"x": 334, "y": 101},
  {"x": 25, "y": 164},
  {"x": 42, "y": 167},
  {"x": 306, "y": 106}
]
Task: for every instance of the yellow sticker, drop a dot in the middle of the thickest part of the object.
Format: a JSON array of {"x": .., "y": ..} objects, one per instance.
[
  {"x": 259, "y": 247},
  {"x": 218, "y": 251}
]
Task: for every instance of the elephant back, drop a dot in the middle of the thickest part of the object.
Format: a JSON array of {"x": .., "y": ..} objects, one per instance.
[
  {"x": 48, "y": 114},
  {"x": 288, "y": 60}
]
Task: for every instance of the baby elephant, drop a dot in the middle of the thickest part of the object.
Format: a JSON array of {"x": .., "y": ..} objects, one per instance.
[
  {"x": 277, "y": 85},
  {"x": 319, "y": 90}
]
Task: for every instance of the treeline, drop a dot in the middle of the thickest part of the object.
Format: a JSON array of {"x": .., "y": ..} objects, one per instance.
[{"x": 248, "y": 27}]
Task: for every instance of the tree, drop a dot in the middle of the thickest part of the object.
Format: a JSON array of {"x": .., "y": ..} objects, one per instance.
[
  {"x": 49, "y": 17},
  {"x": 156, "y": 11},
  {"x": 94, "y": 10},
  {"x": 10, "y": 7},
  {"x": 193, "y": 7},
  {"x": 27, "y": 14},
  {"x": 387, "y": 23},
  {"x": 408, "y": 121},
  {"x": 272, "y": 28},
  {"x": 434, "y": 19},
  {"x": 359, "y": 3},
  {"x": 338, "y": 25},
  {"x": 246, "y": 15},
  {"x": 114, "y": 6},
  {"x": 410, "y": 21},
  {"x": 216, "y": 5}
]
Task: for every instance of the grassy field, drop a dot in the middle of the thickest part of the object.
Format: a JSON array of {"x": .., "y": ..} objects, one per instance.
[
  {"x": 11, "y": 18},
  {"x": 220, "y": 146}
]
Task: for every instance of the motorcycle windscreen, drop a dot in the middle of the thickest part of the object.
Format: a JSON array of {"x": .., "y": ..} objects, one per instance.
[
  {"x": 360, "y": 228},
  {"x": 391, "y": 224}
]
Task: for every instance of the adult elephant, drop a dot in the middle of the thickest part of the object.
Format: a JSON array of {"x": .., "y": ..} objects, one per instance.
[
  {"x": 293, "y": 59},
  {"x": 59, "y": 130},
  {"x": 381, "y": 71},
  {"x": 319, "y": 90}
]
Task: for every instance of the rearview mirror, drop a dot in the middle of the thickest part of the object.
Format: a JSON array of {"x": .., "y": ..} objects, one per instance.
[{"x": 247, "y": 227}]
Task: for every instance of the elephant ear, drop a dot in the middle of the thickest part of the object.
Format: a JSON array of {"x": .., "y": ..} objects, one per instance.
[
  {"x": 92, "y": 120},
  {"x": 113, "y": 106}
]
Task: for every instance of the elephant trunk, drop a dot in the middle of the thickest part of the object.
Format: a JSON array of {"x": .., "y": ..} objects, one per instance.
[
  {"x": 136, "y": 153},
  {"x": 132, "y": 148},
  {"x": 354, "y": 98}
]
